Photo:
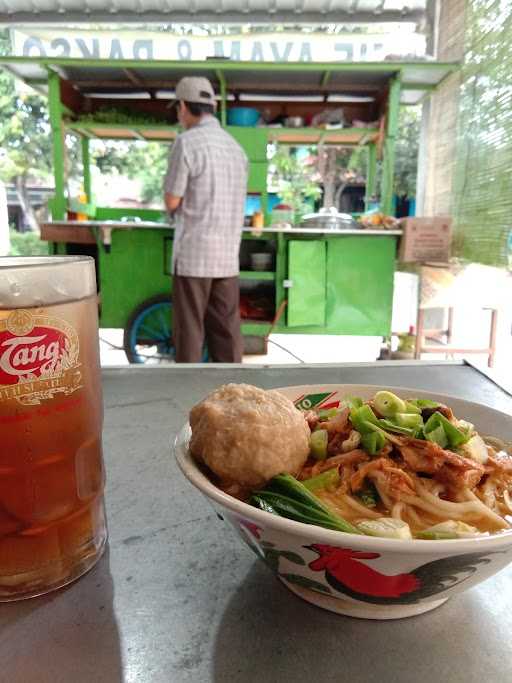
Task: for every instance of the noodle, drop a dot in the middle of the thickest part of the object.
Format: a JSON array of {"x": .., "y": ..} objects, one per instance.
[
  {"x": 397, "y": 510},
  {"x": 485, "y": 511},
  {"x": 336, "y": 501},
  {"x": 363, "y": 510},
  {"x": 417, "y": 479},
  {"x": 436, "y": 511},
  {"x": 382, "y": 493},
  {"x": 498, "y": 444},
  {"x": 413, "y": 515}
]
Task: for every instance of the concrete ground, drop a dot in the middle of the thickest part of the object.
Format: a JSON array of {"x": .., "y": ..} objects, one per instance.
[
  {"x": 471, "y": 293},
  {"x": 470, "y": 330},
  {"x": 282, "y": 349}
]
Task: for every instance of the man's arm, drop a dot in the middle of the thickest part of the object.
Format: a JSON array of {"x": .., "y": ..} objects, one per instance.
[
  {"x": 176, "y": 178},
  {"x": 172, "y": 202}
]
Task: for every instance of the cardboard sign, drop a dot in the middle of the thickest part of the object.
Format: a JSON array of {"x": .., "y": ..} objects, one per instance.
[{"x": 425, "y": 239}]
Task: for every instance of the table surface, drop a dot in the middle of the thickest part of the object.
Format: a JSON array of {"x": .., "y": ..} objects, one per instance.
[
  {"x": 145, "y": 225},
  {"x": 177, "y": 597}
]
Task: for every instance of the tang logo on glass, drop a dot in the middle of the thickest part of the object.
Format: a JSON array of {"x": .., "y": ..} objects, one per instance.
[{"x": 39, "y": 357}]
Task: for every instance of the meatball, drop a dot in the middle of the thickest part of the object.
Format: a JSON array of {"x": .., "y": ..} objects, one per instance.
[{"x": 246, "y": 435}]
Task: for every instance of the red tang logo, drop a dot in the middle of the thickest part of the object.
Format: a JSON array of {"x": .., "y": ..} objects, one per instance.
[{"x": 34, "y": 355}]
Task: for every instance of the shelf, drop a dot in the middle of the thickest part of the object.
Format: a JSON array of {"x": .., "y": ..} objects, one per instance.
[
  {"x": 333, "y": 136},
  {"x": 257, "y": 275},
  {"x": 165, "y": 133},
  {"x": 259, "y": 328},
  {"x": 124, "y": 131}
]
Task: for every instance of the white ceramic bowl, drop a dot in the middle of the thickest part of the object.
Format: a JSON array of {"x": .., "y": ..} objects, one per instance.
[{"x": 362, "y": 576}]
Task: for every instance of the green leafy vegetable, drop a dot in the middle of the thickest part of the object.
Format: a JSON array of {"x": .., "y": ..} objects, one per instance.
[
  {"x": 119, "y": 115},
  {"x": 287, "y": 485},
  {"x": 438, "y": 436},
  {"x": 388, "y": 404},
  {"x": 423, "y": 403},
  {"x": 373, "y": 442},
  {"x": 324, "y": 415},
  {"x": 328, "y": 479},
  {"x": 449, "y": 529},
  {"x": 377, "y": 428},
  {"x": 409, "y": 420},
  {"x": 435, "y": 535},
  {"x": 411, "y": 407},
  {"x": 287, "y": 497},
  {"x": 368, "y": 496},
  {"x": 318, "y": 444},
  {"x": 292, "y": 509},
  {"x": 361, "y": 416},
  {"x": 390, "y": 426},
  {"x": 351, "y": 402},
  {"x": 454, "y": 437}
]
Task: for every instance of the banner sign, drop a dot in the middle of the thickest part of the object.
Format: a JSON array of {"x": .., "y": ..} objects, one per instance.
[{"x": 255, "y": 47}]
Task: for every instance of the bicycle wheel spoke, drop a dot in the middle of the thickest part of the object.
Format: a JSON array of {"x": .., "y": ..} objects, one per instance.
[
  {"x": 164, "y": 322},
  {"x": 150, "y": 332}
]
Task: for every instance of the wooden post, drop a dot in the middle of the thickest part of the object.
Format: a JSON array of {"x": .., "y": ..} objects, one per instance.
[
  {"x": 492, "y": 337},
  {"x": 419, "y": 334},
  {"x": 449, "y": 331}
]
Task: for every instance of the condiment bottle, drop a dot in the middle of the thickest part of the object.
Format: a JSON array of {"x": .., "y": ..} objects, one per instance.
[{"x": 257, "y": 222}]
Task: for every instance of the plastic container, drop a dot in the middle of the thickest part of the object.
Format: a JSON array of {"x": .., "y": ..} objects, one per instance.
[
  {"x": 261, "y": 261},
  {"x": 257, "y": 219},
  {"x": 243, "y": 116},
  {"x": 282, "y": 213}
]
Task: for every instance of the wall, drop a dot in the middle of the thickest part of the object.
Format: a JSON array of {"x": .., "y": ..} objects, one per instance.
[
  {"x": 4, "y": 222},
  {"x": 483, "y": 175},
  {"x": 440, "y": 115},
  {"x": 468, "y": 164}
]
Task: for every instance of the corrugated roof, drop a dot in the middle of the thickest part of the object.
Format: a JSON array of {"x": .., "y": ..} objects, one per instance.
[
  {"x": 131, "y": 76},
  {"x": 295, "y": 11}
]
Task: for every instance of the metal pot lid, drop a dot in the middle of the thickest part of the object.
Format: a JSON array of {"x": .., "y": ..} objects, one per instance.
[{"x": 327, "y": 214}]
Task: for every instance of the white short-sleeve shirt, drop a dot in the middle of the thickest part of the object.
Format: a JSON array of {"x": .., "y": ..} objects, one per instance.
[{"x": 208, "y": 168}]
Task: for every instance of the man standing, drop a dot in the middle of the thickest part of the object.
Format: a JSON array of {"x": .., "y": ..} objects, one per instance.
[{"x": 205, "y": 186}]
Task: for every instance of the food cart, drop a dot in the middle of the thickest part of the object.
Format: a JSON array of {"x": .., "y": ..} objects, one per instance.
[{"x": 318, "y": 281}]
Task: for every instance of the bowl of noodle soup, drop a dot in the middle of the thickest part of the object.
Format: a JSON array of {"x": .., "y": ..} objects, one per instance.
[{"x": 375, "y": 576}]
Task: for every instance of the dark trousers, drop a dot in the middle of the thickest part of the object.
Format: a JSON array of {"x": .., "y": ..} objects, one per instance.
[{"x": 206, "y": 309}]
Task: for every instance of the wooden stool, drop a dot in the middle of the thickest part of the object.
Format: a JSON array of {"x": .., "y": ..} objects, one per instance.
[{"x": 421, "y": 333}]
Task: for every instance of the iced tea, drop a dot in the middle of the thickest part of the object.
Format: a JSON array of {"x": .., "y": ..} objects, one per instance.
[{"x": 52, "y": 525}]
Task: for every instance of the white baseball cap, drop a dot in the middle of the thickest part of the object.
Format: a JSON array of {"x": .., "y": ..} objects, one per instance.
[{"x": 195, "y": 89}]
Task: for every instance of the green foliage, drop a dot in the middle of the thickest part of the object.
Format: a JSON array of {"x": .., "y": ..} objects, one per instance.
[
  {"x": 297, "y": 180},
  {"x": 118, "y": 115},
  {"x": 407, "y": 145},
  {"x": 110, "y": 156},
  {"x": 27, "y": 244},
  {"x": 25, "y": 142},
  {"x": 152, "y": 157},
  {"x": 146, "y": 161}
]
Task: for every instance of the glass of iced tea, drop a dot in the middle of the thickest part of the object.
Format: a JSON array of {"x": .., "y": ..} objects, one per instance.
[{"x": 52, "y": 521}]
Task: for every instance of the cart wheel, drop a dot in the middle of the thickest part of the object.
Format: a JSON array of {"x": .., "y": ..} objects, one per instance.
[{"x": 148, "y": 333}]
